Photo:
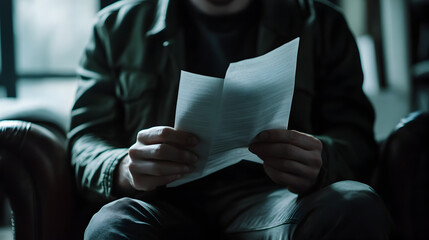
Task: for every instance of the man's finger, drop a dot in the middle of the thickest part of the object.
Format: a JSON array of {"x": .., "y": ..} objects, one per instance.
[
  {"x": 167, "y": 135},
  {"x": 163, "y": 152},
  {"x": 282, "y": 150},
  {"x": 143, "y": 182},
  {"x": 160, "y": 168},
  {"x": 294, "y": 137},
  {"x": 291, "y": 166}
]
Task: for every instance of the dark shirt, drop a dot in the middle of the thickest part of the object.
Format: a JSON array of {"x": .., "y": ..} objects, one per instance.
[{"x": 213, "y": 42}]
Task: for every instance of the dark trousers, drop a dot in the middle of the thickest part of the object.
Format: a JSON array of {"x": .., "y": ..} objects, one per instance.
[{"x": 244, "y": 209}]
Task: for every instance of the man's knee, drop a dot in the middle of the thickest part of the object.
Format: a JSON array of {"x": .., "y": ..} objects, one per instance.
[
  {"x": 344, "y": 209},
  {"x": 119, "y": 220},
  {"x": 354, "y": 200},
  {"x": 346, "y": 193}
]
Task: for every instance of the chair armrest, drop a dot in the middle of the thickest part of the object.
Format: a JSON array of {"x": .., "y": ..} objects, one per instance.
[
  {"x": 36, "y": 176},
  {"x": 403, "y": 176}
]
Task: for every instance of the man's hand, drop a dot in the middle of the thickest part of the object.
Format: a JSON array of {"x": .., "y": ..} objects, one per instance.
[
  {"x": 291, "y": 158},
  {"x": 159, "y": 157}
]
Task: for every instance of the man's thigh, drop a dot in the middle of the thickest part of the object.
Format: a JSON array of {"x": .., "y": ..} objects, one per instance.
[
  {"x": 246, "y": 209},
  {"x": 343, "y": 210},
  {"x": 128, "y": 218}
]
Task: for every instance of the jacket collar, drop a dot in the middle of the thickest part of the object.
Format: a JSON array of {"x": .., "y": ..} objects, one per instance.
[
  {"x": 167, "y": 18},
  {"x": 166, "y": 32}
]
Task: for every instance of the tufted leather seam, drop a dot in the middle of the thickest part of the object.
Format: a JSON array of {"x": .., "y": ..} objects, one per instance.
[
  {"x": 27, "y": 127},
  {"x": 12, "y": 133}
]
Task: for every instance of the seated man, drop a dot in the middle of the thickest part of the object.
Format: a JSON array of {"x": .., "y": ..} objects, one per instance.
[{"x": 125, "y": 150}]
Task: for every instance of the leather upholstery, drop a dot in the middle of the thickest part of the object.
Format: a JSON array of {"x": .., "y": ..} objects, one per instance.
[
  {"x": 403, "y": 176},
  {"x": 36, "y": 177}
]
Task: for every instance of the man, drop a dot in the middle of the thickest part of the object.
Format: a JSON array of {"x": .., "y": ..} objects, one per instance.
[{"x": 123, "y": 143}]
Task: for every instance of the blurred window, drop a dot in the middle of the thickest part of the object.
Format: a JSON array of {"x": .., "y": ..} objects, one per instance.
[{"x": 50, "y": 35}]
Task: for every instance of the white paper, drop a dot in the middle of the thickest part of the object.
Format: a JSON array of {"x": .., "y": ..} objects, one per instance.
[{"x": 226, "y": 114}]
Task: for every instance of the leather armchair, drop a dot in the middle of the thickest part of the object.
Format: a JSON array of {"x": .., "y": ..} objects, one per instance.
[{"x": 37, "y": 178}]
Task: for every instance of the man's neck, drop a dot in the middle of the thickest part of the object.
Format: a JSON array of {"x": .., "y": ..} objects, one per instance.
[{"x": 220, "y": 7}]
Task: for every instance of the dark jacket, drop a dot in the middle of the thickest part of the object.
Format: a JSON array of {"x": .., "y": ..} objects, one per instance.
[{"x": 130, "y": 74}]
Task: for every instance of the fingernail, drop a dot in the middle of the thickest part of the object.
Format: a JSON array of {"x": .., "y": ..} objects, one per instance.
[
  {"x": 192, "y": 140},
  {"x": 263, "y": 136}
]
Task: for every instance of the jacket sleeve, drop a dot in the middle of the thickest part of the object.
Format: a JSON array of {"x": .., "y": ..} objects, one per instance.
[
  {"x": 95, "y": 144},
  {"x": 343, "y": 117}
]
